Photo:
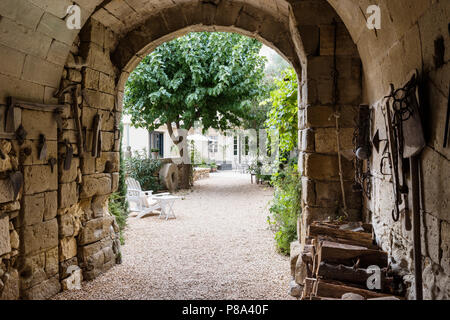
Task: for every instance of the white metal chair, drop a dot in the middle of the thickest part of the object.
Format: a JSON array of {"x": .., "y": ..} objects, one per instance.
[{"x": 146, "y": 201}]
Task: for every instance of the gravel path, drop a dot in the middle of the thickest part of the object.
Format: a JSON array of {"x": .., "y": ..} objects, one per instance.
[{"x": 219, "y": 247}]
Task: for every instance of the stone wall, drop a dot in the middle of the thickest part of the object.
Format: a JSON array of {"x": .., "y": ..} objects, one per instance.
[
  {"x": 322, "y": 196},
  {"x": 409, "y": 39}
]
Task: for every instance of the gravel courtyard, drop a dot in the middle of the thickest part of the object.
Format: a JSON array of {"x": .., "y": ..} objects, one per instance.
[{"x": 219, "y": 247}]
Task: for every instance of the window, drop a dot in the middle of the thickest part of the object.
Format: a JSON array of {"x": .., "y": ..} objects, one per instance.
[
  {"x": 235, "y": 145},
  {"x": 213, "y": 145},
  {"x": 158, "y": 143},
  {"x": 246, "y": 145}
]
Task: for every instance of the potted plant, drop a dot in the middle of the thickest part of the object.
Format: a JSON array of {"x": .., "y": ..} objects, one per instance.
[
  {"x": 155, "y": 153},
  {"x": 213, "y": 167}
]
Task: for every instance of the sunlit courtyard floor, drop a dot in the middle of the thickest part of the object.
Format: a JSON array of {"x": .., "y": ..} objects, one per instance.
[{"x": 218, "y": 247}]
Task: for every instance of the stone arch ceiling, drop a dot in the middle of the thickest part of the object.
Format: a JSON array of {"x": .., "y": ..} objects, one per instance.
[{"x": 34, "y": 33}]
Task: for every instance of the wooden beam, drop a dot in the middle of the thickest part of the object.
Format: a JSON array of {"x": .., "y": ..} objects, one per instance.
[
  {"x": 349, "y": 255},
  {"x": 327, "y": 289}
]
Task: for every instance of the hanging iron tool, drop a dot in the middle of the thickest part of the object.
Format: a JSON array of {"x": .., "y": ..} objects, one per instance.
[
  {"x": 42, "y": 147},
  {"x": 447, "y": 123},
  {"x": 337, "y": 115},
  {"x": 410, "y": 140}
]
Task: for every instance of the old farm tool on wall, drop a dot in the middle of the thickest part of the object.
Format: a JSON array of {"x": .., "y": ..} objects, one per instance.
[
  {"x": 42, "y": 147},
  {"x": 411, "y": 141},
  {"x": 96, "y": 136},
  {"x": 16, "y": 179},
  {"x": 68, "y": 156},
  {"x": 447, "y": 123},
  {"x": 76, "y": 92}
]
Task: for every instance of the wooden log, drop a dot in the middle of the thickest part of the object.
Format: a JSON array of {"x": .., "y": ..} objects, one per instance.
[
  {"x": 349, "y": 242},
  {"x": 358, "y": 238},
  {"x": 327, "y": 289},
  {"x": 308, "y": 288},
  {"x": 346, "y": 274},
  {"x": 349, "y": 255}
]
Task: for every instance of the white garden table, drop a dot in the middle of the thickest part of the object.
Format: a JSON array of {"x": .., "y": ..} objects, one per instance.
[{"x": 166, "y": 202}]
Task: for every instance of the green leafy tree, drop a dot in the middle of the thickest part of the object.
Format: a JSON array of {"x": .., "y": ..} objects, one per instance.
[
  {"x": 283, "y": 114},
  {"x": 214, "y": 78}
]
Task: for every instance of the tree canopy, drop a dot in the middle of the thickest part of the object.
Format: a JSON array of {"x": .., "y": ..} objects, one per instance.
[{"x": 214, "y": 78}]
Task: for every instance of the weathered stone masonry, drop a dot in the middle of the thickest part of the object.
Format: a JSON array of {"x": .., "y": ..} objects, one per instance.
[{"x": 58, "y": 229}]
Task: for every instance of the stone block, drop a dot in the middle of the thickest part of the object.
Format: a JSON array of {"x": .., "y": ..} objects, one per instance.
[
  {"x": 58, "y": 53},
  {"x": 107, "y": 83},
  {"x": 33, "y": 145},
  {"x": 74, "y": 75},
  {"x": 329, "y": 194},
  {"x": 100, "y": 206},
  {"x": 99, "y": 100},
  {"x": 71, "y": 174},
  {"x": 307, "y": 142},
  {"x": 10, "y": 285},
  {"x": 66, "y": 267},
  {"x": 445, "y": 246},
  {"x": 108, "y": 162},
  {"x": 326, "y": 140},
  {"x": 431, "y": 228},
  {"x": 436, "y": 174},
  {"x": 325, "y": 167},
  {"x": 73, "y": 282},
  {"x": 39, "y": 122},
  {"x": 10, "y": 207},
  {"x": 33, "y": 209},
  {"x": 44, "y": 290},
  {"x": 56, "y": 28},
  {"x": 294, "y": 254},
  {"x": 115, "y": 181},
  {"x": 96, "y": 184},
  {"x": 94, "y": 32},
  {"x": 50, "y": 205},
  {"x": 5, "y": 241},
  {"x": 33, "y": 270},
  {"x": 51, "y": 262},
  {"x": 14, "y": 239},
  {"x": 95, "y": 230},
  {"x": 42, "y": 71},
  {"x": 91, "y": 78},
  {"x": 40, "y": 236},
  {"x": 23, "y": 39},
  {"x": 108, "y": 141},
  {"x": 68, "y": 194},
  {"x": 308, "y": 192},
  {"x": 322, "y": 117},
  {"x": 6, "y": 191},
  {"x": 67, "y": 249}
]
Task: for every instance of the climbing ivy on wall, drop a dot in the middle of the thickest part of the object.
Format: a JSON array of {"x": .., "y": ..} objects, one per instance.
[{"x": 118, "y": 204}]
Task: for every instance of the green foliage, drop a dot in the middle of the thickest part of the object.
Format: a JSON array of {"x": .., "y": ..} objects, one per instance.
[
  {"x": 118, "y": 204},
  {"x": 283, "y": 114},
  {"x": 209, "y": 77},
  {"x": 286, "y": 206},
  {"x": 144, "y": 170}
]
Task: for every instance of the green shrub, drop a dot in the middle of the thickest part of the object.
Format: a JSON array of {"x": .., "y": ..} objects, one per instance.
[
  {"x": 144, "y": 170},
  {"x": 119, "y": 210},
  {"x": 286, "y": 206},
  {"x": 118, "y": 204}
]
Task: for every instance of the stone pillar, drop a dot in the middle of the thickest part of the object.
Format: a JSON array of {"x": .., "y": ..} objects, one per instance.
[
  {"x": 88, "y": 234},
  {"x": 318, "y": 159}
]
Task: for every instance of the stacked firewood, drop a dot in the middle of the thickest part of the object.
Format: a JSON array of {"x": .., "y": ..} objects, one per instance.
[{"x": 340, "y": 261}]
